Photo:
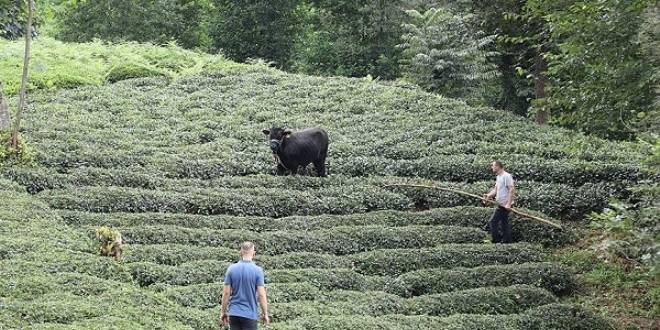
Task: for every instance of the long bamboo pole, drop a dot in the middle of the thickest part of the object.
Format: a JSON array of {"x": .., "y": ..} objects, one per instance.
[{"x": 522, "y": 214}]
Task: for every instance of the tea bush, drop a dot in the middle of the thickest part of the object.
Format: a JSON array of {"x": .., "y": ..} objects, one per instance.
[
  {"x": 329, "y": 279},
  {"x": 565, "y": 316},
  {"x": 488, "y": 300},
  {"x": 176, "y": 255},
  {"x": 375, "y": 262},
  {"x": 210, "y": 295},
  {"x": 550, "y": 276},
  {"x": 243, "y": 202},
  {"x": 338, "y": 240},
  {"x": 399, "y": 261},
  {"x": 553, "y": 199},
  {"x": 34, "y": 286},
  {"x": 464, "y": 216}
]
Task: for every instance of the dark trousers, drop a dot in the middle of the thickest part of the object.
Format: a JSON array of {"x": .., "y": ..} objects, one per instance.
[
  {"x": 501, "y": 215},
  {"x": 242, "y": 323}
]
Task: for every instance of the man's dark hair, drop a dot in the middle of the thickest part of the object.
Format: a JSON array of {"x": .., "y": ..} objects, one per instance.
[{"x": 499, "y": 163}]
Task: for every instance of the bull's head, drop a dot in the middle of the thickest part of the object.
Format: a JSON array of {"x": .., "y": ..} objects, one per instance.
[{"x": 276, "y": 136}]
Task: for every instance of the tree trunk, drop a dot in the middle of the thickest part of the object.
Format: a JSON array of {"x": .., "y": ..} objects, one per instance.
[
  {"x": 540, "y": 81},
  {"x": 26, "y": 62},
  {"x": 5, "y": 118}
]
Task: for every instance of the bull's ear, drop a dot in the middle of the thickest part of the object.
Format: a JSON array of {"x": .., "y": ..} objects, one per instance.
[
  {"x": 266, "y": 131},
  {"x": 286, "y": 132}
]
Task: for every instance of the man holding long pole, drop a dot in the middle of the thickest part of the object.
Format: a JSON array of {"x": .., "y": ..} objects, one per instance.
[{"x": 504, "y": 192}]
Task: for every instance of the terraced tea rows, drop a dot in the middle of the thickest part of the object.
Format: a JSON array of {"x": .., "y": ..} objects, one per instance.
[{"x": 182, "y": 170}]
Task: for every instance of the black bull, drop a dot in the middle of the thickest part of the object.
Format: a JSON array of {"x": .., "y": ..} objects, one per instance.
[{"x": 293, "y": 149}]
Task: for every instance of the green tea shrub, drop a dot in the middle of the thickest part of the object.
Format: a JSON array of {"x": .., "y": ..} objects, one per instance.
[
  {"x": 326, "y": 279},
  {"x": 400, "y": 261},
  {"x": 176, "y": 254},
  {"x": 58, "y": 261},
  {"x": 34, "y": 286},
  {"x": 564, "y": 316},
  {"x": 552, "y": 199},
  {"x": 55, "y": 307},
  {"x": 217, "y": 222},
  {"x": 146, "y": 273},
  {"x": 194, "y": 272},
  {"x": 202, "y": 296},
  {"x": 209, "y": 295},
  {"x": 242, "y": 202},
  {"x": 485, "y": 301},
  {"x": 522, "y": 229},
  {"x": 296, "y": 260},
  {"x": 550, "y": 276},
  {"x": 41, "y": 178},
  {"x": 338, "y": 240}
]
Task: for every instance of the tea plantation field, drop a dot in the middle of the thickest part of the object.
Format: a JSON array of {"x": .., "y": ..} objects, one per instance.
[{"x": 180, "y": 167}]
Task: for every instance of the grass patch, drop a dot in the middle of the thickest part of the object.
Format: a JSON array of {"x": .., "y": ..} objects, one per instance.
[{"x": 615, "y": 288}]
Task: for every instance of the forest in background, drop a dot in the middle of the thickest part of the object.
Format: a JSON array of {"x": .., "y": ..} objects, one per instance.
[{"x": 592, "y": 66}]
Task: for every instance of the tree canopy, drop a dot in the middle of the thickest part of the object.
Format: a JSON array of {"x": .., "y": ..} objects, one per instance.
[{"x": 589, "y": 65}]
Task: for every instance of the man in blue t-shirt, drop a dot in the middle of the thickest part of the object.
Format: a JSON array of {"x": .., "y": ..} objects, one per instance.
[
  {"x": 244, "y": 284},
  {"x": 504, "y": 192}
]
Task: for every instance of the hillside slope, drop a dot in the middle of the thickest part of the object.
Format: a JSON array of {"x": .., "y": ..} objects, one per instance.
[{"x": 179, "y": 165}]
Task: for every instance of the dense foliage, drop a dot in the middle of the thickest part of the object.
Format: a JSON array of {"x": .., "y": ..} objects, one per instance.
[
  {"x": 182, "y": 21},
  {"x": 599, "y": 78},
  {"x": 244, "y": 30},
  {"x": 442, "y": 55},
  {"x": 351, "y": 38},
  {"x": 576, "y": 64},
  {"x": 166, "y": 147},
  {"x": 14, "y": 17}
]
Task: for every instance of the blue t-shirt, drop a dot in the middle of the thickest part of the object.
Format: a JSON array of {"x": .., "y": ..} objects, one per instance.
[{"x": 244, "y": 277}]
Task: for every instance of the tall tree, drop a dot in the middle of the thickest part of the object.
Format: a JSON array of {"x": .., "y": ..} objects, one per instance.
[
  {"x": 599, "y": 82},
  {"x": 443, "y": 55},
  {"x": 26, "y": 64},
  {"x": 244, "y": 29},
  {"x": 649, "y": 41},
  {"x": 351, "y": 38},
  {"x": 518, "y": 42},
  {"x": 182, "y": 21},
  {"x": 11, "y": 144}
]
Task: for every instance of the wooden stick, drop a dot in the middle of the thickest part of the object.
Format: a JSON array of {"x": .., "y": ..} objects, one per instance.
[{"x": 529, "y": 216}]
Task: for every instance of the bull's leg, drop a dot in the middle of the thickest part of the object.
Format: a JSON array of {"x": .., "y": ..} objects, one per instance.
[
  {"x": 280, "y": 169},
  {"x": 294, "y": 169},
  {"x": 319, "y": 164}
]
